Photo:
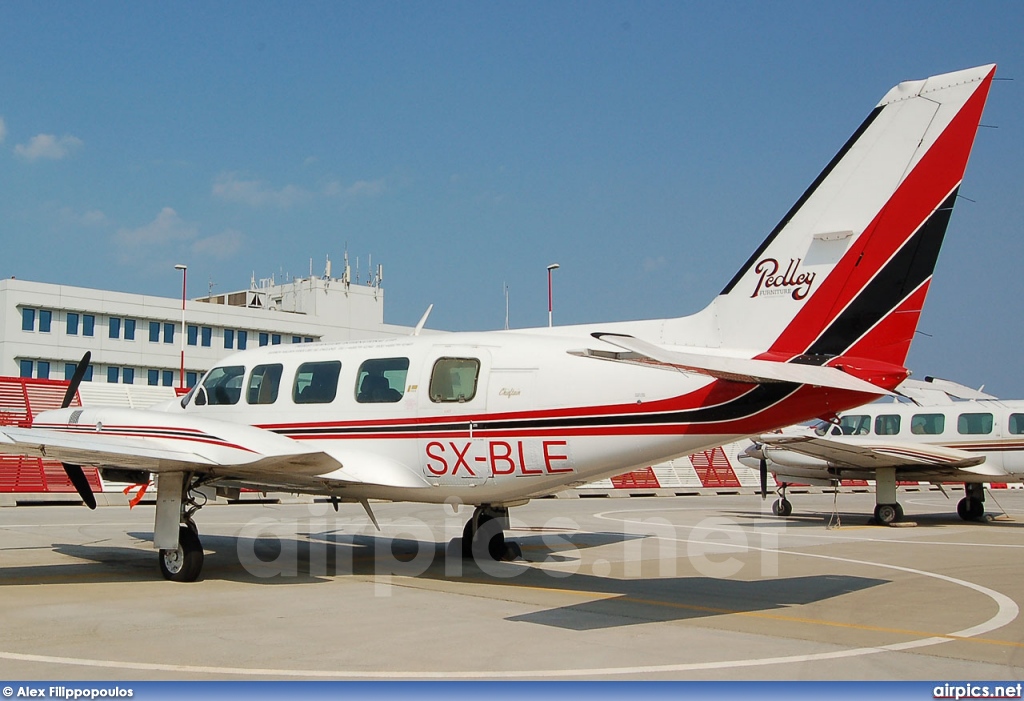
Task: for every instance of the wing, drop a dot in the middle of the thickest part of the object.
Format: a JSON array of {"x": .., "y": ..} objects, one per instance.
[
  {"x": 850, "y": 452},
  {"x": 735, "y": 369},
  {"x": 164, "y": 442}
]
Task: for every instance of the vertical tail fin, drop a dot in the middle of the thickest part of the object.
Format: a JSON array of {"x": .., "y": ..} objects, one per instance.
[{"x": 846, "y": 271}]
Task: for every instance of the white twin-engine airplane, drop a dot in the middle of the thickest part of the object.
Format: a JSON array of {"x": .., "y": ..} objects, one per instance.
[
  {"x": 950, "y": 434},
  {"x": 819, "y": 319}
]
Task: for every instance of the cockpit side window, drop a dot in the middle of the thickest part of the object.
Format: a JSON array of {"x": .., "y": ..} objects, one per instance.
[
  {"x": 381, "y": 380},
  {"x": 454, "y": 379},
  {"x": 264, "y": 383},
  {"x": 222, "y": 386},
  {"x": 316, "y": 383}
]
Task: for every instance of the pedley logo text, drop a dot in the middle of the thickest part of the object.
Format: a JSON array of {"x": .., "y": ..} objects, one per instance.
[{"x": 792, "y": 282}]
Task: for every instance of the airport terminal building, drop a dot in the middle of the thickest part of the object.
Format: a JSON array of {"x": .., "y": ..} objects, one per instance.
[{"x": 45, "y": 329}]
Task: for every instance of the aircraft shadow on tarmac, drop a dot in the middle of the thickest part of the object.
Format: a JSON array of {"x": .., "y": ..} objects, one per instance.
[
  {"x": 599, "y": 601},
  {"x": 816, "y": 517}
]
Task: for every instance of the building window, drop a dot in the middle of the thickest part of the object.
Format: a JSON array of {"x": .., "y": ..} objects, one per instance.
[
  {"x": 128, "y": 376},
  {"x": 229, "y": 338},
  {"x": 296, "y": 339},
  {"x": 207, "y": 336},
  {"x": 308, "y": 339},
  {"x": 43, "y": 370},
  {"x": 190, "y": 379},
  {"x": 243, "y": 338},
  {"x": 114, "y": 327},
  {"x": 69, "y": 370},
  {"x": 72, "y": 323},
  {"x": 275, "y": 340},
  {"x": 154, "y": 332},
  {"x": 28, "y": 320},
  {"x": 168, "y": 333},
  {"x": 129, "y": 329},
  {"x": 168, "y": 378},
  {"x": 45, "y": 316},
  {"x": 87, "y": 377},
  {"x": 112, "y": 374},
  {"x": 26, "y": 368},
  {"x": 88, "y": 324},
  {"x": 193, "y": 335},
  {"x": 264, "y": 339},
  {"x": 153, "y": 378}
]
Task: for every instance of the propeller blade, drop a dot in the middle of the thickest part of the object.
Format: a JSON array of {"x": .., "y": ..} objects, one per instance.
[
  {"x": 764, "y": 479},
  {"x": 81, "y": 482},
  {"x": 76, "y": 379},
  {"x": 75, "y": 472}
]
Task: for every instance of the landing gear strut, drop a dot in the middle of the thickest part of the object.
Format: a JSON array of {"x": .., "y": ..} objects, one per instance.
[
  {"x": 972, "y": 506},
  {"x": 484, "y": 535},
  {"x": 175, "y": 534},
  {"x": 887, "y": 509}
]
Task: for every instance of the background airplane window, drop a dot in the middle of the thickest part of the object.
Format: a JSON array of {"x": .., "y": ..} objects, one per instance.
[
  {"x": 223, "y": 385},
  {"x": 264, "y": 383},
  {"x": 381, "y": 380},
  {"x": 855, "y": 424},
  {"x": 974, "y": 424},
  {"x": 454, "y": 379},
  {"x": 887, "y": 424},
  {"x": 1016, "y": 425},
  {"x": 927, "y": 424},
  {"x": 316, "y": 383}
]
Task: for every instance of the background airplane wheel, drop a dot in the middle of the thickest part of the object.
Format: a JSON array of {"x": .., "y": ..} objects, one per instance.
[
  {"x": 963, "y": 509},
  {"x": 975, "y": 509},
  {"x": 186, "y": 562},
  {"x": 887, "y": 513}
]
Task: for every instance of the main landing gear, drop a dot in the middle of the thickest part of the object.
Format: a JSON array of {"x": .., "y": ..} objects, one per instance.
[
  {"x": 782, "y": 506},
  {"x": 972, "y": 506},
  {"x": 483, "y": 537},
  {"x": 175, "y": 534}
]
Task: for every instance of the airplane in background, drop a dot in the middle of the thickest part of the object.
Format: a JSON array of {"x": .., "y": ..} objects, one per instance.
[
  {"x": 949, "y": 434},
  {"x": 819, "y": 319}
]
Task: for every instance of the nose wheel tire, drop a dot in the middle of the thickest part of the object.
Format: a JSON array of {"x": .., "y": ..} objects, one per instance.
[
  {"x": 184, "y": 563},
  {"x": 782, "y": 507}
]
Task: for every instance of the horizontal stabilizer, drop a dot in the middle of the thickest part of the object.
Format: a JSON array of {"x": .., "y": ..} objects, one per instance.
[{"x": 740, "y": 369}]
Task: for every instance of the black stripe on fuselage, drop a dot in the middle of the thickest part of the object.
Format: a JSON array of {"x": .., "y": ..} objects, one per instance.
[
  {"x": 803, "y": 198},
  {"x": 907, "y": 270},
  {"x": 756, "y": 400}
]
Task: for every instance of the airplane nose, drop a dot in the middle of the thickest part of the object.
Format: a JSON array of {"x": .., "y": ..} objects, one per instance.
[{"x": 755, "y": 451}]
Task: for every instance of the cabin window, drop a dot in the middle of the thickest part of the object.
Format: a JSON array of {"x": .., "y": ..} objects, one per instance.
[
  {"x": 887, "y": 424},
  {"x": 454, "y": 379},
  {"x": 1016, "y": 424},
  {"x": 264, "y": 383},
  {"x": 974, "y": 424},
  {"x": 855, "y": 424},
  {"x": 222, "y": 386},
  {"x": 316, "y": 383},
  {"x": 381, "y": 380},
  {"x": 927, "y": 424}
]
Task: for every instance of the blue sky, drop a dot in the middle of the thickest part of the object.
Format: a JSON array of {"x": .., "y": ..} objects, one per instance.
[{"x": 647, "y": 147}]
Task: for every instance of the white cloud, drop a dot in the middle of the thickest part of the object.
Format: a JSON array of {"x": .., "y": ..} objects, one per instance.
[
  {"x": 48, "y": 146},
  {"x": 220, "y": 246},
  {"x": 652, "y": 264},
  {"x": 256, "y": 193},
  {"x": 167, "y": 228},
  {"x": 360, "y": 188},
  {"x": 3, "y": 130}
]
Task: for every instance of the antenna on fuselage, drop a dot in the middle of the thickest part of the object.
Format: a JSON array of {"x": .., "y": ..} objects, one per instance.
[{"x": 422, "y": 321}]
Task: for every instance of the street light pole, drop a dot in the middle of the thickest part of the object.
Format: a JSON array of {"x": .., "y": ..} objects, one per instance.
[
  {"x": 181, "y": 372},
  {"x": 553, "y": 266}
]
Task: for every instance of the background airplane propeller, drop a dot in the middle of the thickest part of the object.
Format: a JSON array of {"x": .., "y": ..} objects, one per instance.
[{"x": 75, "y": 472}]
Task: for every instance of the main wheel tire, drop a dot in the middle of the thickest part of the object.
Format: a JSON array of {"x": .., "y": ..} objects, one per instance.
[
  {"x": 489, "y": 528},
  {"x": 975, "y": 509},
  {"x": 782, "y": 507},
  {"x": 963, "y": 509},
  {"x": 467, "y": 540},
  {"x": 887, "y": 513},
  {"x": 186, "y": 562}
]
